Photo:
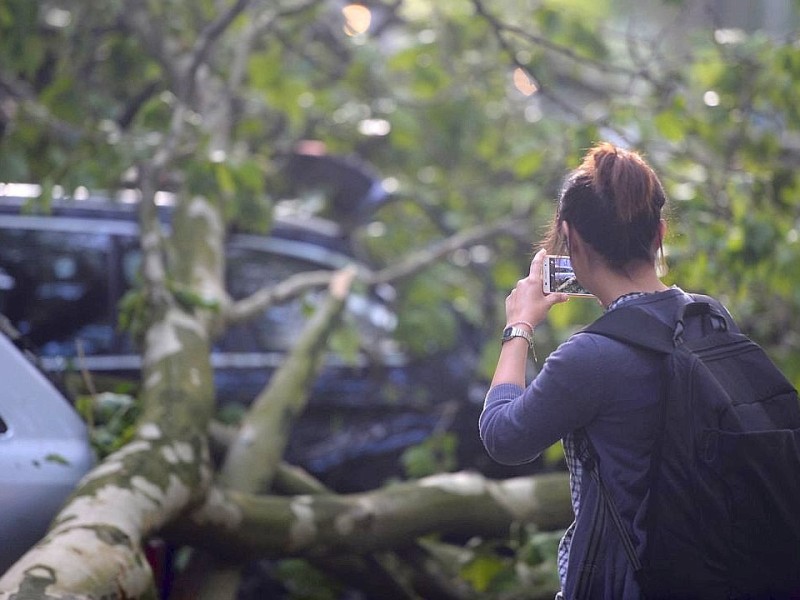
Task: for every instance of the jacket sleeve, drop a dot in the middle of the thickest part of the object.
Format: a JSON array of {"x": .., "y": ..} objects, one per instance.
[{"x": 517, "y": 425}]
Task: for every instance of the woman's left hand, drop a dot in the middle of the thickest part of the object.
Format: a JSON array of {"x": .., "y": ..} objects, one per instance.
[{"x": 527, "y": 301}]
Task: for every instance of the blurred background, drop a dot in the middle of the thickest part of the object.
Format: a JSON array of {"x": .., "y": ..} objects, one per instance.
[{"x": 332, "y": 132}]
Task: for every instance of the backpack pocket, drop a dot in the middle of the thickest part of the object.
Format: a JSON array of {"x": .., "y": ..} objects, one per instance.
[{"x": 761, "y": 471}]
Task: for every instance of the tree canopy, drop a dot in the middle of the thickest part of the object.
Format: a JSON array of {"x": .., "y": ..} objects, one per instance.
[{"x": 470, "y": 112}]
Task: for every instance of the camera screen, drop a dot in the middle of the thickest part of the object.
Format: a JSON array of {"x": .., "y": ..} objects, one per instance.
[{"x": 562, "y": 277}]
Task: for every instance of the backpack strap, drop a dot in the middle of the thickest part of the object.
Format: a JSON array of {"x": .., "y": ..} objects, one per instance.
[
  {"x": 635, "y": 327},
  {"x": 588, "y": 458},
  {"x": 638, "y": 328}
]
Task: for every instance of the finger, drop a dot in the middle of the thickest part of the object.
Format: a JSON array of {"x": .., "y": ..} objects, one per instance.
[
  {"x": 556, "y": 298},
  {"x": 536, "y": 263}
]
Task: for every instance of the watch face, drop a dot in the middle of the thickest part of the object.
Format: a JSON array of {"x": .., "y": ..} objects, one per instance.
[{"x": 506, "y": 332}]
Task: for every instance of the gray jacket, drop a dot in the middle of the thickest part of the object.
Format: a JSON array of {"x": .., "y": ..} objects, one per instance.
[{"x": 612, "y": 390}]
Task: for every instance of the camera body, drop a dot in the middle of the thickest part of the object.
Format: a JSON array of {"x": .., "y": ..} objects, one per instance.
[{"x": 559, "y": 276}]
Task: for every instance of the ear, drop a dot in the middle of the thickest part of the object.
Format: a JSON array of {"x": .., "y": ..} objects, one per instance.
[
  {"x": 662, "y": 232},
  {"x": 661, "y": 260},
  {"x": 565, "y": 231}
]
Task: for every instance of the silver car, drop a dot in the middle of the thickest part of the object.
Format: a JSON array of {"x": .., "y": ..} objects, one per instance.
[{"x": 44, "y": 451}]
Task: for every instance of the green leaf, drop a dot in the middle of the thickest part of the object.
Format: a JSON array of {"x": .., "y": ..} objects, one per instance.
[
  {"x": 670, "y": 125},
  {"x": 482, "y": 571},
  {"x": 57, "y": 459}
]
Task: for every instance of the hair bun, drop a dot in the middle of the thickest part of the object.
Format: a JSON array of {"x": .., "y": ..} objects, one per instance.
[
  {"x": 614, "y": 200},
  {"x": 625, "y": 180}
]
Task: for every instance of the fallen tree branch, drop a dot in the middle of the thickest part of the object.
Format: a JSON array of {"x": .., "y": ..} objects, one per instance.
[
  {"x": 291, "y": 287},
  {"x": 255, "y": 452},
  {"x": 417, "y": 261},
  {"x": 293, "y": 480},
  {"x": 296, "y": 285},
  {"x": 244, "y": 526}
]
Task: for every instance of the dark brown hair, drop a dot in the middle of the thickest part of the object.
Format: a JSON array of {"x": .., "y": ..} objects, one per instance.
[{"x": 614, "y": 200}]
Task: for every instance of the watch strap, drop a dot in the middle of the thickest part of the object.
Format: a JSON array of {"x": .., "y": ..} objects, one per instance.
[{"x": 511, "y": 332}]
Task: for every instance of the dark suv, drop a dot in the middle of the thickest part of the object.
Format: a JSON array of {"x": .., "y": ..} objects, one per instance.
[{"x": 62, "y": 276}]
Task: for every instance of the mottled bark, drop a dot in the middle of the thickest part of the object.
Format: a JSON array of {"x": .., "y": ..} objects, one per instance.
[
  {"x": 94, "y": 547},
  {"x": 255, "y": 451},
  {"x": 401, "y": 573},
  {"x": 248, "y": 526},
  {"x": 258, "y": 448}
]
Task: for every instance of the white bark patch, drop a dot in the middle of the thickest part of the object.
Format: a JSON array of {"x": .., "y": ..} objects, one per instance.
[
  {"x": 153, "y": 379},
  {"x": 361, "y": 512},
  {"x": 206, "y": 474},
  {"x": 152, "y": 268},
  {"x": 169, "y": 454},
  {"x": 146, "y": 487},
  {"x": 517, "y": 496},
  {"x": 150, "y": 240},
  {"x": 163, "y": 339},
  {"x": 201, "y": 208},
  {"x": 105, "y": 468},
  {"x": 463, "y": 483},
  {"x": 146, "y": 506},
  {"x": 303, "y": 530},
  {"x": 218, "y": 510},
  {"x": 177, "y": 453},
  {"x": 207, "y": 282},
  {"x": 120, "y": 570},
  {"x": 129, "y": 449},
  {"x": 40, "y": 573},
  {"x": 345, "y": 524},
  {"x": 113, "y": 464},
  {"x": 194, "y": 376},
  {"x": 150, "y": 431},
  {"x": 205, "y": 276},
  {"x": 248, "y": 434},
  {"x": 184, "y": 451}
]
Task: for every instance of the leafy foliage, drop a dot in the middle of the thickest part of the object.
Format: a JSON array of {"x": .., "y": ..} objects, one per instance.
[
  {"x": 524, "y": 568},
  {"x": 111, "y": 418},
  {"x": 437, "y": 454},
  {"x": 87, "y": 93}
]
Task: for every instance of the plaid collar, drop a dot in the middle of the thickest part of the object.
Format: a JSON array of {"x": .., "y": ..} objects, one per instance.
[{"x": 625, "y": 298}]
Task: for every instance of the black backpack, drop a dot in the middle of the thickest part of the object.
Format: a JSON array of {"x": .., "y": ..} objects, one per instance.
[{"x": 723, "y": 515}]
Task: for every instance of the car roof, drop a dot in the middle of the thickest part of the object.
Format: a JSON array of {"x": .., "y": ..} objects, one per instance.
[{"x": 313, "y": 238}]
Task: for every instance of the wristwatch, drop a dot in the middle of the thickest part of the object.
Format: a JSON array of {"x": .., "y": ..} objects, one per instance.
[{"x": 512, "y": 332}]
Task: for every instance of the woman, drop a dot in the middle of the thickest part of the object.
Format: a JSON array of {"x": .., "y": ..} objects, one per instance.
[{"x": 609, "y": 221}]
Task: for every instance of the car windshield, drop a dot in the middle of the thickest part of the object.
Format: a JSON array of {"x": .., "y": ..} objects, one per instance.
[
  {"x": 62, "y": 278},
  {"x": 54, "y": 287}
]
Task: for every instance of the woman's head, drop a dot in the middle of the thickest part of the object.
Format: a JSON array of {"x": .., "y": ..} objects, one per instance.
[{"x": 614, "y": 200}]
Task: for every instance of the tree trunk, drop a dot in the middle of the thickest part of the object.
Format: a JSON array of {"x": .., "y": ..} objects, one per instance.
[{"x": 94, "y": 547}]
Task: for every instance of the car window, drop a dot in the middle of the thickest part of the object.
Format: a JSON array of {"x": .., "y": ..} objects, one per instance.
[
  {"x": 249, "y": 270},
  {"x": 54, "y": 287},
  {"x": 61, "y": 279}
]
